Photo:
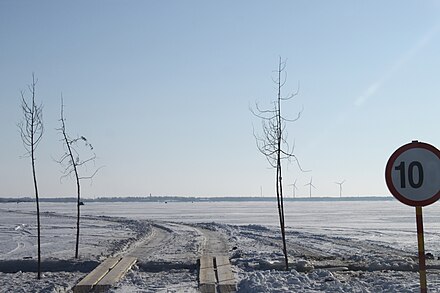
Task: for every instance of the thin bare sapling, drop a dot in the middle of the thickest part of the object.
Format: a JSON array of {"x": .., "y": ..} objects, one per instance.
[
  {"x": 272, "y": 141},
  {"x": 75, "y": 166},
  {"x": 31, "y": 131}
]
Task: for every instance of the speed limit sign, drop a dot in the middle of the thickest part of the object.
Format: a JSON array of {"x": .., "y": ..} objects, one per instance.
[
  {"x": 413, "y": 177},
  {"x": 412, "y": 174}
]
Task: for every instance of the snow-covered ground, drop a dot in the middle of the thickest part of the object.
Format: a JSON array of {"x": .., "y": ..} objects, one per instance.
[{"x": 334, "y": 246}]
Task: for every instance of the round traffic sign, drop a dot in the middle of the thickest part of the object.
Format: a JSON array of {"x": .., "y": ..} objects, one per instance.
[{"x": 412, "y": 174}]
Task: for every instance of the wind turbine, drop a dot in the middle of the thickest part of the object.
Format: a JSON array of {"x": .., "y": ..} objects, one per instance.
[
  {"x": 310, "y": 184},
  {"x": 340, "y": 187},
  {"x": 293, "y": 188}
]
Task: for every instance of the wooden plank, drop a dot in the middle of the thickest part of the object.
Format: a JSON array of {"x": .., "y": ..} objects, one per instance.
[
  {"x": 115, "y": 274},
  {"x": 226, "y": 278},
  {"x": 207, "y": 288},
  {"x": 207, "y": 275},
  {"x": 87, "y": 283},
  {"x": 206, "y": 261}
]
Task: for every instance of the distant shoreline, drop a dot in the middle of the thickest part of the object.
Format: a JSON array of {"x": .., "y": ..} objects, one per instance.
[{"x": 196, "y": 199}]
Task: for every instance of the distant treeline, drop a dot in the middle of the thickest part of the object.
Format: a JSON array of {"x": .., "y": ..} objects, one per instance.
[{"x": 194, "y": 199}]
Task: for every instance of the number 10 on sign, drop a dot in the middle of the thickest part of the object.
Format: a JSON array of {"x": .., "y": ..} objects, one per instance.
[{"x": 410, "y": 172}]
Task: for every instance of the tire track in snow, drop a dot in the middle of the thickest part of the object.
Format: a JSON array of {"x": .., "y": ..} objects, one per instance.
[
  {"x": 151, "y": 244},
  {"x": 214, "y": 242},
  {"x": 322, "y": 246},
  {"x": 169, "y": 244},
  {"x": 20, "y": 246}
]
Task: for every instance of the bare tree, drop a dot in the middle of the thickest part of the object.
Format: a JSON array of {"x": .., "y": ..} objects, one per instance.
[
  {"x": 272, "y": 142},
  {"x": 31, "y": 131},
  {"x": 73, "y": 164}
]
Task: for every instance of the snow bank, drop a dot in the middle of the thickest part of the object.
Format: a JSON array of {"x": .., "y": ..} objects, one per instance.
[{"x": 320, "y": 281}]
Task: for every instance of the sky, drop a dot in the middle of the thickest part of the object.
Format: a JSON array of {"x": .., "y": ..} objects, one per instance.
[{"x": 162, "y": 90}]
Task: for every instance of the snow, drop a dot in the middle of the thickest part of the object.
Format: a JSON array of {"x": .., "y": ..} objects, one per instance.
[{"x": 334, "y": 246}]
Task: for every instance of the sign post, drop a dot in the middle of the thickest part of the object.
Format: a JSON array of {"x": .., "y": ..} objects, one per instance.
[
  {"x": 412, "y": 175},
  {"x": 421, "y": 245}
]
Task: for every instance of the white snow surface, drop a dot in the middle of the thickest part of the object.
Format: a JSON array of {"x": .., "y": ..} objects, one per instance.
[{"x": 333, "y": 246}]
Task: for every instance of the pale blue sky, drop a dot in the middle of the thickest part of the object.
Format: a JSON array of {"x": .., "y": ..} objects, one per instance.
[{"x": 162, "y": 90}]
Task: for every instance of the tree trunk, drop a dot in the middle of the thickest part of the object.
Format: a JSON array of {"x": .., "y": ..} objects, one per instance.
[
  {"x": 38, "y": 216},
  {"x": 78, "y": 214},
  {"x": 279, "y": 169}
]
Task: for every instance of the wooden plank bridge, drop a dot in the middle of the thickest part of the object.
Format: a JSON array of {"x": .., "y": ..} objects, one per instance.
[
  {"x": 215, "y": 272},
  {"x": 104, "y": 276}
]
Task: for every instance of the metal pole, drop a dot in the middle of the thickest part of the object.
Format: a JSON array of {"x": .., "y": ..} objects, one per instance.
[{"x": 421, "y": 244}]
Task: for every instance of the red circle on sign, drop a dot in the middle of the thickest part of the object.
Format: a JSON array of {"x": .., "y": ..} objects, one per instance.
[{"x": 388, "y": 171}]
